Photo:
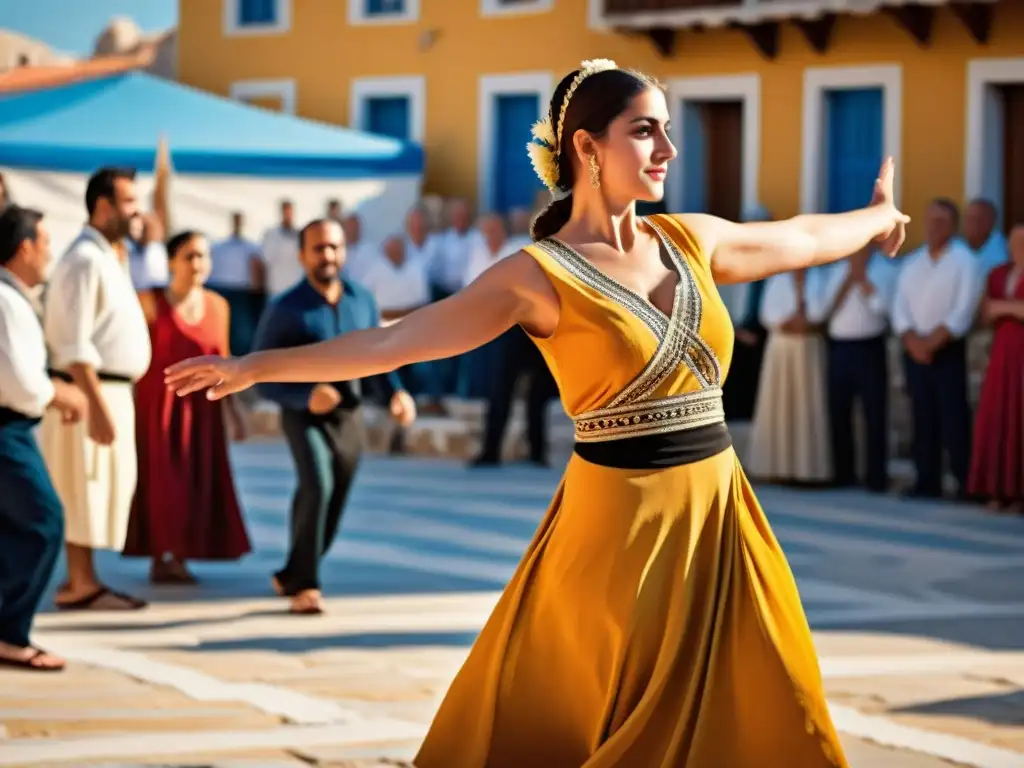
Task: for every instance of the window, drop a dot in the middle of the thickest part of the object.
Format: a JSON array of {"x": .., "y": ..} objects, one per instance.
[
  {"x": 390, "y": 106},
  {"x": 383, "y": 11},
  {"x": 257, "y": 17},
  {"x": 276, "y": 95},
  {"x": 384, "y": 7},
  {"x": 256, "y": 12},
  {"x": 514, "y": 7}
]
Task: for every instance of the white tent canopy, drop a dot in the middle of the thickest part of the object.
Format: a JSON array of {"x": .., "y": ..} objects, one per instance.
[{"x": 227, "y": 157}]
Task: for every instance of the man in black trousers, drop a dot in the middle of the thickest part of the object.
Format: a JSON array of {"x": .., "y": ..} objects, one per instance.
[
  {"x": 859, "y": 294},
  {"x": 937, "y": 296},
  {"x": 321, "y": 422},
  {"x": 517, "y": 357}
]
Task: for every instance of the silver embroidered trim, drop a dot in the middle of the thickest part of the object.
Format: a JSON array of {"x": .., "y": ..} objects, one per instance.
[
  {"x": 652, "y": 417},
  {"x": 594, "y": 278},
  {"x": 698, "y": 353}
]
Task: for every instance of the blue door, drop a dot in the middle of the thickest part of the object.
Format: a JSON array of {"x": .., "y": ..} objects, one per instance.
[
  {"x": 854, "y": 145},
  {"x": 694, "y": 159},
  {"x": 388, "y": 116},
  {"x": 515, "y": 183}
]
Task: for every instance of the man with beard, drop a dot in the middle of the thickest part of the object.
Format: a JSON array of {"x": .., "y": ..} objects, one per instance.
[
  {"x": 320, "y": 422},
  {"x": 98, "y": 339}
]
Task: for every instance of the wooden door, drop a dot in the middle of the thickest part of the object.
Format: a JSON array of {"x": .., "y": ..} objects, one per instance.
[
  {"x": 1013, "y": 156},
  {"x": 723, "y": 136}
]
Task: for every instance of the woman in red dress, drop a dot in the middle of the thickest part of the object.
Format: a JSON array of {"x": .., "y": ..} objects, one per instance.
[
  {"x": 997, "y": 462},
  {"x": 185, "y": 505}
]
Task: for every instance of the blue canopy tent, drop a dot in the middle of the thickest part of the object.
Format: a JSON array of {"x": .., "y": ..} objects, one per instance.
[{"x": 226, "y": 155}]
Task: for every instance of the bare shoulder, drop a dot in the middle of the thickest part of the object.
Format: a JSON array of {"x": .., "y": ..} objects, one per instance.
[
  {"x": 519, "y": 286},
  {"x": 530, "y": 276},
  {"x": 218, "y": 302}
]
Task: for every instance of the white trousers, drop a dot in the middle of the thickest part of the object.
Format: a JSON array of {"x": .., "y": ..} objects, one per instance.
[{"x": 96, "y": 483}]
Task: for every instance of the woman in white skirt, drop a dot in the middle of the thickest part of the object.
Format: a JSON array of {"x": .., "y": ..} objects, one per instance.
[{"x": 789, "y": 440}]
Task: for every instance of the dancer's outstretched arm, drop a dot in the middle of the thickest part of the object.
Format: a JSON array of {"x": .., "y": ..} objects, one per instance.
[
  {"x": 513, "y": 291},
  {"x": 743, "y": 253}
]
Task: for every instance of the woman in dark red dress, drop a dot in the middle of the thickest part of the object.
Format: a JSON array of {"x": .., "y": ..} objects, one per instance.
[
  {"x": 997, "y": 462},
  {"x": 185, "y": 505}
]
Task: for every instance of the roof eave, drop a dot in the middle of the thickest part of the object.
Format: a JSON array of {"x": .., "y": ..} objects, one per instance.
[{"x": 750, "y": 13}]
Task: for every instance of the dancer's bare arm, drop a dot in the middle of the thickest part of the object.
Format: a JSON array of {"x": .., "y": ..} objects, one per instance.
[
  {"x": 513, "y": 291},
  {"x": 743, "y": 253}
]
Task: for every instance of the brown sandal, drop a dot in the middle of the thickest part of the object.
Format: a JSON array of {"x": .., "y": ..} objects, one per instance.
[{"x": 28, "y": 664}]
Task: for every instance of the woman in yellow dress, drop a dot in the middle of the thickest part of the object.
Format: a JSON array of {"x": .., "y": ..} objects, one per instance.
[{"x": 653, "y": 621}]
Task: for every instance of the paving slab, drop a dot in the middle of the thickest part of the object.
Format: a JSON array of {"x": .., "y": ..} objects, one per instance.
[{"x": 922, "y": 654}]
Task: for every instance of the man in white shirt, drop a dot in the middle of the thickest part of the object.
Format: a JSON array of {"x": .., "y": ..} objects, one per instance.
[
  {"x": 490, "y": 245},
  {"x": 360, "y": 253},
  {"x": 448, "y": 270},
  {"x": 31, "y": 516},
  {"x": 859, "y": 293},
  {"x": 399, "y": 285},
  {"x": 280, "y": 252},
  {"x": 986, "y": 242},
  {"x": 937, "y": 296},
  {"x": 234, "y": 275},
  {"x": 98, "y": 338},
  {"x": 420, "y": 244},
  {"x": 519, "y": 220}
]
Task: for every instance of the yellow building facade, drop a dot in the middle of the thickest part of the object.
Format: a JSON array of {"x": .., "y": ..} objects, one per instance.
[{"x": 791, "y": 113}]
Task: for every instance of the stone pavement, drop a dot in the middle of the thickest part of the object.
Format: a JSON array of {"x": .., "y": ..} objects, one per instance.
[{"x": 918, "y": 611}]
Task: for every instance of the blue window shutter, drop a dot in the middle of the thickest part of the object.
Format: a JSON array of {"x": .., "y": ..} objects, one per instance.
[
  {"x": 854, "y": 146},
  {"x": 694, "y": 160},
  {"x": 257, "y": 12},
  {"x": 382, "y": 7},
  {"x": 389, "y": 116},
  {"x": 515, "y": 183}
]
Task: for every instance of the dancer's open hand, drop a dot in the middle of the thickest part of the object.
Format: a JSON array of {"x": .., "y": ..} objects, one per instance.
[
  {"x": 219, "y": 376},
  {"x": 892, "y": 241}
]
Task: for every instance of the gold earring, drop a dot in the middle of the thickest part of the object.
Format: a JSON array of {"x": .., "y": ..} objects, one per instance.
[{"x": 595, "y": 171}]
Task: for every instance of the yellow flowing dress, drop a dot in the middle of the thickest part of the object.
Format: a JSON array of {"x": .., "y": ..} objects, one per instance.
[{"x": 653, "y": 621}]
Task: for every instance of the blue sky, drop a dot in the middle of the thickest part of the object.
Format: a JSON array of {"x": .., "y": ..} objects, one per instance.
[{"x": 71, "y": 26}]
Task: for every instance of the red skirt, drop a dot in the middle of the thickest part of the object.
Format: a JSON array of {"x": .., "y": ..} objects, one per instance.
[{"x": 997, "y": 458}]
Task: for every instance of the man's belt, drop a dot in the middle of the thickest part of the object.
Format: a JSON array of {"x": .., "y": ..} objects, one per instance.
[{"x": 118, "y": 378}]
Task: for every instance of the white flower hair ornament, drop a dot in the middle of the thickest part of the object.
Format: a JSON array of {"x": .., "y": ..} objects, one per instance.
[
  {"x": 544, "y": 148},
  {"x": 543, "y": 155}
]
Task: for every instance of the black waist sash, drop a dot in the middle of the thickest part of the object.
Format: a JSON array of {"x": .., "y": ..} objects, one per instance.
[
  {"x": 658, "y": 451},
  {"x": 15, "y": 419},
  {"x": 119, "y": 378}
]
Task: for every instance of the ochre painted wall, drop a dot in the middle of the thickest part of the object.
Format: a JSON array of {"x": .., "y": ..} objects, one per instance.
[{"x": 323, "y": 52}]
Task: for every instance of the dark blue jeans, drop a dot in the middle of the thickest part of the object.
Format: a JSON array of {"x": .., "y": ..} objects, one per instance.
[{"x": 31, "y": 527}]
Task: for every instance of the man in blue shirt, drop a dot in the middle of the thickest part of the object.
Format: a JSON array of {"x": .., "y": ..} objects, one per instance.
[{"x": 320, "y": 422}]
